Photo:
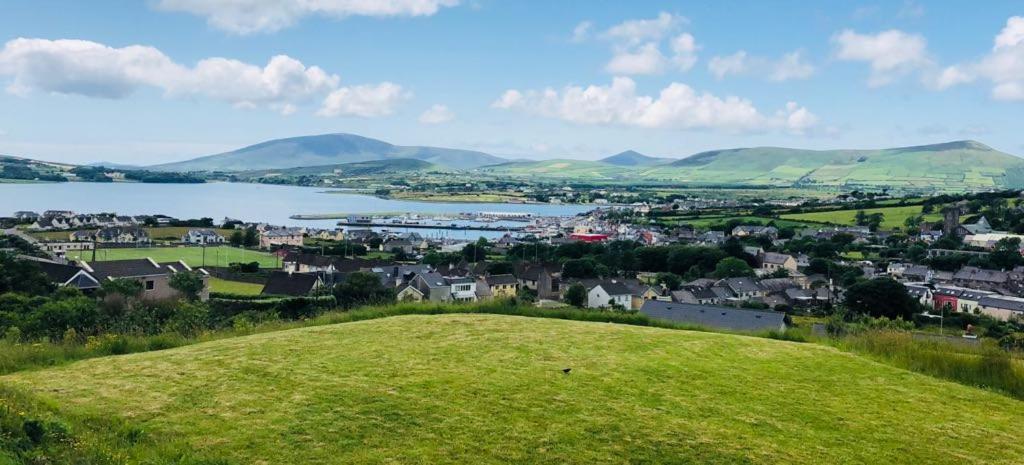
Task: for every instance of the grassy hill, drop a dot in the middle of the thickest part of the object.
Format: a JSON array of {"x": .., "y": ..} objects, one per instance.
[
  {"x": 327, "y": 149},
  {"x": 489, "y": 389},
  {"x": 952, "y": 166},
  {"x": 633, "y": 158},
  {"x": 358, "y": 169}
]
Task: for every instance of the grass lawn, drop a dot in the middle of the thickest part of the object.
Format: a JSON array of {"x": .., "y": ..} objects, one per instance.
[
  {"x": 708, "y": 221},
  {"x": 215, "y": 256},
  {"x": 490, "y": 389},
  {"x": 893, "y": 217},
  {"x": 234, "y": 287}
]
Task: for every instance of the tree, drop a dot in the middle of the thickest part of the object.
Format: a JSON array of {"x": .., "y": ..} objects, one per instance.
[
  {"x": 500, "y": 268},
  {"x": 671, "y": 281},
  {"x": 237, "y": 238},
  {"x": 576, "y": 295},
  {"x": 250, "y": 239},
  {"x": 361, "y": 288},
  {"x": 23, "y": 276},
  {"x": 121, "y": 286},
  {"x": 582, "y": 268},
  {"x": 189, "y": 283},
  {"x": 881, "y": 297},
  {"x": 476, "y": 251},
  {"x": 732, "y": 267}
]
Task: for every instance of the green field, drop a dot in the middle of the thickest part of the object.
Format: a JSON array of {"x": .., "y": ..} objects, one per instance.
[
  {"x": 234, "y": 287},
  {"x": 215, "y": 256},
  {"x": 705, "y": 222},
  {"x": 490, "y": 389},
  {"x": 893, "y": 216}
]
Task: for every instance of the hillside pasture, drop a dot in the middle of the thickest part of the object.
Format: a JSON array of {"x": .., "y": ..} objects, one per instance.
[
  {"x": 893, "y": 217},
  {"x": 492, "y": 389}
]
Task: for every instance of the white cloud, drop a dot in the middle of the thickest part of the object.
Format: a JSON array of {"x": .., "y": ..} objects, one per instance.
[
  {"x": 891, "y": 53},
  {"x": 677, "y": 106},
  {"x": 645, "y": 59},
  {"x": 1003, "y": 66},
  {"x": 787, "y": 67},
  {"x": 636, "y": 31},
  {"x": 248, "y": 16},
  {"x": 437, "y": 114},
  {"x": 722, "y": 66},
  {"x": 367, "y": 101},
  {"x": 581, "y": 32},
  {"x": 79, "y": 67},
  {"x": 637, "y": 46},
  {"x": 685, "y": 48},
  {"x": 510, "y": 99}
]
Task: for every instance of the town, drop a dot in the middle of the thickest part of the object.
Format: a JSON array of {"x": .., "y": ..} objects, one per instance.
[{"x": 742, "y": 273}]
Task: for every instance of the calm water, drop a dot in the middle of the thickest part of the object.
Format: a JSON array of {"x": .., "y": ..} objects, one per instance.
[{"x": 247, "y": 202}]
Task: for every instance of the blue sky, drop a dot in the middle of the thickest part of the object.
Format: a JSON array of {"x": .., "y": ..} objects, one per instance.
[{"x": 152, "y": 81}]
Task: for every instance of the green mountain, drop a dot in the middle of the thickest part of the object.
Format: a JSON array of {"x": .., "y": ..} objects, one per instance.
[
  {"x": 633, "y": 158},
  {"x": 358, "y": 169},
  {"x": 490, "y": 389},
  {"x": 327, "y": 149},
  {"x": 951, "y": 166}
]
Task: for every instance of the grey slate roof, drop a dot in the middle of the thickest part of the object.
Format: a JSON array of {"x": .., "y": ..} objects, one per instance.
[
  {"x": 713, "y": 316},
  {"x": 284, "y": 283},
  {"x": 740, "y": 285},
  {"x": 501, "y": 279},
  {"x": 126, "y": 269},
  {"x": 1012, "y": 304}
]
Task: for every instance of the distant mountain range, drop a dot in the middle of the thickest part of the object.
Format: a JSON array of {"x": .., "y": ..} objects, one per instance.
[
  {"x": 951, "y": 166},
  {"x": 328, "y": 149},
  {"x": 959, "y": 165}
]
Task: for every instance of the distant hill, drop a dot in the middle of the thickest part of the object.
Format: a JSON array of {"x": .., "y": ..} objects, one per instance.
[
  {"x": 633, "y": 158},
  {"x": 327, "y": 149},
  {"x": 950, "y": 166},
  {"x": 358, "y": 169}
]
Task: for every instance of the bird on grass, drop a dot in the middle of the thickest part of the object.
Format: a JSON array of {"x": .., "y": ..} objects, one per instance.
[{"x": 566, "y": 370}]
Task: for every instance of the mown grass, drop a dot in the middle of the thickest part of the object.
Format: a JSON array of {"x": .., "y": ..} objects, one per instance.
[
  {"x": 234, "y": 287},
  {"x": 490, "y": 389},
  {"x": 893, "y": 217},
  {"x": 220, "y": 256}
]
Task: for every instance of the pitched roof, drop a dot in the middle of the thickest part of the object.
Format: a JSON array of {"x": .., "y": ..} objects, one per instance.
[
  {"x": 1015, "y": 304},
  {"x": 776, "y": 258},
  {"x": 116, "y": 269},
  {"x": 742, "y": 285},
  {"x": 616, "y": 288},
  {"x": 284, "y": 283},
  {"x": 713, "y": 316}
]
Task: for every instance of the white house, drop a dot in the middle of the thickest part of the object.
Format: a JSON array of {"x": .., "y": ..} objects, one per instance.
[
  {"x": 202, "y": 236},
  {"x": 610, "y": 293}
]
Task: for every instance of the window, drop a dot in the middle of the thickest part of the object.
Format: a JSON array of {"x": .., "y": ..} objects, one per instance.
[{"x": 150, "y": 285}]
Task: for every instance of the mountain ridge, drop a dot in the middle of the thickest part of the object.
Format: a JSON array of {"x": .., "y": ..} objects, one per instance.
[{"x": 326, "y": 149}]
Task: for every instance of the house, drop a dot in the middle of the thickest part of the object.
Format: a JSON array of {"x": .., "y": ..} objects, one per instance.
[
  {"x": 433, "y": 287},
  {"x": 404, "y": 245},
  {"x": 61, "y": 248},
  {"x": 462, "y": 289},
  {"x": 980, "y": 278},
  {"x": 202, "y": 237},
  {"x": 696, "y": 295},
  {"x": 502, "y": 285},
  {"x": 82, "y": 236},
  {"x": 1002, "y": 307},
  {"x": 26, "y": 216},
  {"x": 64, "y": 275},
  {"x": 293, "y": 284},
  {"x": 957, "y": 299},
  {"x": 279, "y": 237},
  {"x": 920, "y": 292},
  {"x": 408, "y": 293},
  {"x": 610, "y": 293},
  {"x": 742, "y": 288},
  {"x": 307, "y": 263},
  {"x": 728, "y": 318},
  {"x": 331, "y": 235},
  {"x": 772, "y": 261},
  {"x": 540, "y": 278},
  {"x": 119, "y": 235},
  {"x": 750, "y": 231},
  {"x": 49, "y": 224},
  {"x": 154, "y": 277}
]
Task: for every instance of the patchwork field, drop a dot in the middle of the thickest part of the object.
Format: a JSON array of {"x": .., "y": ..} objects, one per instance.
[
  {"x": 491, "y": 389},
  {"x": 194, "y": 256},
  {"x": 893, "y": 217}
]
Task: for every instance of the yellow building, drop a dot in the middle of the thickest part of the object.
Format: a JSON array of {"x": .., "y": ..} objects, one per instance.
[{"x": 502, "y": 285}]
